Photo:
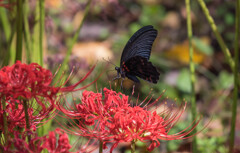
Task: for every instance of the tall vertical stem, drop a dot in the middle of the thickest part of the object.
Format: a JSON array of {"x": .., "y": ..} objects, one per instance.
[
  {"x": 235, "y": 94},
  {"x": 133, "y": 146},
  {"x": 41, "y": 31},
  {"x": 25, "y": 105},
  {"x": 100, "y": 147},
  {"x": 217, "y": 34},
  {"x": 5, "y": 124},
  {"x": 19, "y": 27},
  {"x": 192, "y": 71}
]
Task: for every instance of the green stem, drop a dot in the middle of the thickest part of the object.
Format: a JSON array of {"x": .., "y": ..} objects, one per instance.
[
  {"x": 217, "y": 34},
  {"x": 41, "y": 31},
  {"x": 19, "y": 18},
  {"x": 7, "y": 31},
  {"x": 25, "y": 105},
  {"x": 100, "y": 147},
  {"x": 133, "y": 147},
  {"x": 192, "y": 71},
  {"x": 5, "y": 124},
  {"x": 73, "y": 41},
  {"x": 27, "y": 36},
  {"x": 235, "y": 94}
]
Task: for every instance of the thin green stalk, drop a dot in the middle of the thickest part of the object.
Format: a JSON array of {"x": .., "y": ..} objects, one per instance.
[
  {"x": 133, "y": 147},
  {"x": 25, "y": 105},
  {"x": 235, "y": 94},
  {"x": 100, "y": 147},
  {"x": 41, "y": 31},
  {"x": 217, "y": 34},
  {"x": 192, "y": 71},
  {"x": 73, "y": 41},
  {"x": 35, "y": 53},
  {"x": 5, "y": 22},
  {"x": 5, "y": 126},
  {"x": 19, "y": 27},
  {"x": 11, "y": 47},
  {"x": 7, "y": 31},
  {"x": 27, "y": 36}
]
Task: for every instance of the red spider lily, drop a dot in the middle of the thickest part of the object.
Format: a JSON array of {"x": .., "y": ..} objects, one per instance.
[
  {"x": 58, "y": 142},
  {"x": 32, "y": 81},
  {"x": 137, "y": 124},
  {"x": 62, "y": 145},
  {"x": 93, "y": 106},
  {"x": 55, "y": 142},
  {"x": 18, "y": 144},
  {"x": 113, "y": 120},
  {"x": 16, "y": 115}
]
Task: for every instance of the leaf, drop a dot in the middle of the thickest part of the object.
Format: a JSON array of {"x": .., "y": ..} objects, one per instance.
[
  {"x": 225, "y": 80},
  {"x": 183, "y": 81},
  {"x": 202, "y": 46}
]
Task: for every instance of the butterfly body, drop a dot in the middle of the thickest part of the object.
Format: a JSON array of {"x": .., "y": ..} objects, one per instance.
[{"x": 135, "y": 57}]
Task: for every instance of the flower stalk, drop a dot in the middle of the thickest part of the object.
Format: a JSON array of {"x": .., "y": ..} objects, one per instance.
[
  {"x": 192, "y": 72},
  {"x": 133, "y": 146},
  {"x": 236, "y": 80},
  {"x": 25, "y": 105},
  {"x": 217, "y": 34},
  {"x": 100, "y": 146},
  {"x": 19, "y": 27},
  {"x": 41, "y": 31},
  {"x": 7, "y": 32},
  {"x": 26, "y": 30},
  {"x": 5, "y": 126}
]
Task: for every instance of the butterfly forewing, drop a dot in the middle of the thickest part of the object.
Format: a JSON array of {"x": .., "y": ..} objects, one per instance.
[{"x": 140, "y": 44}]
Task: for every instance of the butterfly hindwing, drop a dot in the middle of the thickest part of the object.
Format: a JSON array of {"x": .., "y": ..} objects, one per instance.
[{"x": 140, "y": 67}]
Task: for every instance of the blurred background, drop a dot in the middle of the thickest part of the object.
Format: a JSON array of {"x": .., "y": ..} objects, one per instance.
[{"x": 108, "y": 26}]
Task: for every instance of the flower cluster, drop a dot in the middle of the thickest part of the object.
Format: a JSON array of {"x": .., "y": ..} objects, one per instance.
[
  {"x": 16, "y": 116},
  {"x": 27, "y": 97},
  {"x": 27, "y": 81},
  {"x": 110, "y": 119},
  {"x": 55, "y": 142},
  {"x": 32, "y": 81},
  {"x": 61, "y": 146}
]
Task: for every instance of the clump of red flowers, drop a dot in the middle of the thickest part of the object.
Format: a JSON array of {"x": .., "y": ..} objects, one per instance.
[
  {"x": 31, "y": 81},
  {"x": 55, "y": 142},
  {"x": 109, "y": 118},
  {"x": 27, "y": 97}
]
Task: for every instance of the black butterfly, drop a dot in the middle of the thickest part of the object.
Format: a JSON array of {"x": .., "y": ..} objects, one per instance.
[{"x": 134, "y": 60}]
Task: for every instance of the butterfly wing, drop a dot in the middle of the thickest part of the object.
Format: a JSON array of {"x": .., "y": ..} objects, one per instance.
[
  {"x": 140, "y": 44},
  {"x": 141, "y": 67}
]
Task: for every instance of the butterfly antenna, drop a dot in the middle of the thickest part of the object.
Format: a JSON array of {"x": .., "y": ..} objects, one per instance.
[{"x": 109, "y": 62}]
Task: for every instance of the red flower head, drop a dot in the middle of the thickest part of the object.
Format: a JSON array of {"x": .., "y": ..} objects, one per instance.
[
  {"x": 31, "y": 81},
  {"x": 16, "y": 115},
  {"x": 113, "y": 120},
  {"x": 62, "y": 145},
  {"x": 93, "y": 106},
  {"x": 18, "y": 144}
]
